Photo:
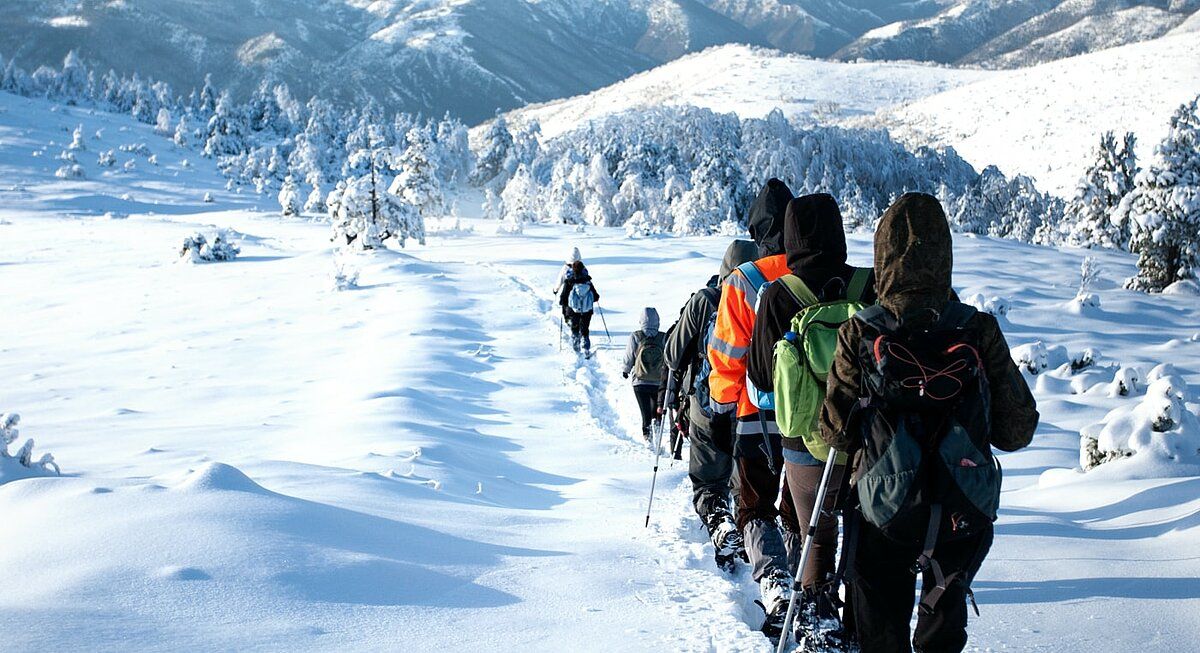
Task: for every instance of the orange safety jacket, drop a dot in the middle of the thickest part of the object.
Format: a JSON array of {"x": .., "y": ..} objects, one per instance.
[{"x": 730, "y": 343}]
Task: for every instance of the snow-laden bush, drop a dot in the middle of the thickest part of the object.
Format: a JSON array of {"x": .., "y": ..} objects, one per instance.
[
  {"x": 1160, "y": 430},
  {"x": 77, "y": 143},
  {"x": 289, "y": 198},
  {"x": 315, "y": 204},
  {"x": 1126, "y": 381},
  {"x": 106, "y": 159},
  {"x": 998, "y": 306},
  {"x": 345, "y": 274},
  {"x": 199, "y": 248},
  {"x": 1186, "y": 288},
  {"x": 1036, "y": 357},
  {"x": 71, "y": 171},
  {"x": 208, "y": 198},
  {"x": 21, "y": 464},
  {"x": 139, "y": 149}
]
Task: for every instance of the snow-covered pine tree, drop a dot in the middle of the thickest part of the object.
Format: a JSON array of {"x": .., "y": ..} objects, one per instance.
[
  {"x": 183, "y": 133},
  {"x": 162, "y": 122},
  {"x": 226, "y": 130},
  {"x": 1164, "y": 207},
  {"x": 520, "y": 201},
  {"x": 364, "y": 214},
  {"x": 289, "y": 198},
  {"x": 497, "y": 141},
  {"x": 598, "y": 207},
  {"x": 315, "y": 204},
  {"x": 77, "y": 143},
  {"x": 1089, "y": 219},
  {"x": 417, "y": 183}
]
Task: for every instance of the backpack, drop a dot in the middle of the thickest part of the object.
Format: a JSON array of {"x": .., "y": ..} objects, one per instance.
[
  {"x": 580, "y": 299},
  {"x": 926, "y": 471},
  {"x": 704, "y": 369},
  {"x": 803, "y": 356},
  {"x": 761, "y": 400},
  {"x": 650, "y": 361}
]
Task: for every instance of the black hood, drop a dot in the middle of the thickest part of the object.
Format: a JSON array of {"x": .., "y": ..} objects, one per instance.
[
  {"x": 914, "y": 258},
  {"x": 766, "y": 217},
  {"x": 814, "y": 239}
]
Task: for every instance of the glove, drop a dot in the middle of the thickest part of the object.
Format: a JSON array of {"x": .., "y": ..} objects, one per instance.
[{"x": 624, "y": 375}]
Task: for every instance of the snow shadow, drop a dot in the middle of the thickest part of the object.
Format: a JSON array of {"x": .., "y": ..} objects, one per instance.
[{"x": 1076, "y": 589}]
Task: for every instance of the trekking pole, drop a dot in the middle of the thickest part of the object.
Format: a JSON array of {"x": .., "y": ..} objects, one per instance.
[
  {"x": 818, "y": 508},
  {"x": 654, "y": 477},
  {"x": 560, "y": 328},
  {"x": 605, "y": 323}
]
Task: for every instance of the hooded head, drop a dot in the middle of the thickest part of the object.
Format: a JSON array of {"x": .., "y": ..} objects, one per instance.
[
  {"x": 577, "y": 269},
  {"x": 914, "y": 258},
  {"x": 648, "y": 322},
  {"x": 738, "y": 252},
  {"x": 813, "y": 238},
  {"x": 766, "y": 217},
  {"x": 574, "y": 256}
]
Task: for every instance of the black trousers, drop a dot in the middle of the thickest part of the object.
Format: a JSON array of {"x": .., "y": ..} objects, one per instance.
[
  {"x": 883, "y": 593},
  {"x": 647, "y": 399},
  {"x": 580, "y": 328}
]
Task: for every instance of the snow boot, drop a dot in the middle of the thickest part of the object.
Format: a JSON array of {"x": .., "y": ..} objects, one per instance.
[
  {"x": 818, "y": 627},
  {"x": 776, "y": 592},
  {"x": 727, "y": 540}
]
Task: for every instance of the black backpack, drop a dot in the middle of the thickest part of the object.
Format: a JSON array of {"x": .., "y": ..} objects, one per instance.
[{"x": 926, "y": 473}]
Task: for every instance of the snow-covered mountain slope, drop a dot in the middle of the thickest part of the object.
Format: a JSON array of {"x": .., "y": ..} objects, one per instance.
[
  {"x": 468, "y": 57},
  {"x": 752, "y": 82},
  {"x": 1015, "y": 33},
  {"x": 254, "y": 462},
  {"x": 1042, "y": 121}
]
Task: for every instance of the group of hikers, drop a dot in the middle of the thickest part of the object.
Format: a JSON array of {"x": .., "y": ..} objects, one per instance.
[{"x": 795, "y": 377}]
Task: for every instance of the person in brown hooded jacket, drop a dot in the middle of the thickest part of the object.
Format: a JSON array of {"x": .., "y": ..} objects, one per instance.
[{"x": 913, "y": 263}]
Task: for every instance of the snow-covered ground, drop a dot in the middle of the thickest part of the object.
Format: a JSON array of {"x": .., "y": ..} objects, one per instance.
[
  {"x": 1043, "y": 120},
  {"x": 254, "y": 461},
  {"x": 752, "y": 82}
]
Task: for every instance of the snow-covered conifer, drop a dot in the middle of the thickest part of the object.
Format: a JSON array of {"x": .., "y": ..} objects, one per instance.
[
  {"x": 417, "y": 182},
  {"x": 497, "y": 141},
  {"x": 226, "y": 130},
  {"x": 77, "y": 143},
  {"x": 289, "y": 198},
  {"x": 1089, "y": 218},
  {"x": 1164, "y": 207}
]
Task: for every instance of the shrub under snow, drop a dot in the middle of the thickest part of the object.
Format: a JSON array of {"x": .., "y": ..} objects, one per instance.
[
  {"x": 21, "y": 464},
  {"x": 70, "y": 171},
  {"x": 198, "y": 248},
  {"x": 1036, "y": 357},
  {"x": 997, "y": 306},
  {"x": 1160, "y": 430}
]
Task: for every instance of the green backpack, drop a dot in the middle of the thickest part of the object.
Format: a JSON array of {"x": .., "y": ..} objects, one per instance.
[
  {"x": 650, "y": 361},
  {"x": 804, "y": 355}
]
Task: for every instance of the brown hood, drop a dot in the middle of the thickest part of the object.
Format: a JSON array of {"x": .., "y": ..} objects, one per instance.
[{"x": 913, "y": 258}]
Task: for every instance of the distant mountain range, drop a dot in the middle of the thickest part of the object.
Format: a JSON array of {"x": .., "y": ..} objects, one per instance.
[{"x": 472, "y": 57}]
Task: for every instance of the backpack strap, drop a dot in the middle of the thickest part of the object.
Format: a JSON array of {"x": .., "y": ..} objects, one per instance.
[
  {"x": 799, "y": 290},
  {"x": 858, "y": 284},
  {"x": 753, "y": 275}
]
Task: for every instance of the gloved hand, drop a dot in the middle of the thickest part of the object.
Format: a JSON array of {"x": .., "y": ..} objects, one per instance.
[{"x": 624, "y": 375}]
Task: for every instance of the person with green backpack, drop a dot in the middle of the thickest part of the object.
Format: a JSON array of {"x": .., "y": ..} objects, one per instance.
[
  {"x": 645, "y": 360},
  {"x": 795, "y": 335}
]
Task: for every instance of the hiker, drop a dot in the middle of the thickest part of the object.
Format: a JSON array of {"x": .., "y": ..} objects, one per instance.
[
  {"x": 568, "y": 269},
  {"x": 644, "y": 359},
  {"x": 757, "y": 458},
  {"x": 710, "y": 462},
  {"x": 815, "y": 245},
  {"x": 578, "y": 298},
  {"x": 921, "y": 375}
]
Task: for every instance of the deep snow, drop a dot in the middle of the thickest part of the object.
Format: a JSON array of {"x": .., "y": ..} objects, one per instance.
[{"x": 254, "y": 461}]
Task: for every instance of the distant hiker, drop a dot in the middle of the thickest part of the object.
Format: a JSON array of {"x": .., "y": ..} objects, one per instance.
[
  {"x": 710, "y": 463},
  {"x": 578, "y": 299},
  {"x": 568, "y": 269},
  {"x": 645, "y": 361},
  {"x": 756, "y": 450},
  {"x": 819, "y": 286},
  {"x": 922, "y": 387}
]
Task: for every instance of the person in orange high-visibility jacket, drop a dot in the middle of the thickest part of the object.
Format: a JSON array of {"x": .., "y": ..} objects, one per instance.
[{"x": 757, "y": 450}]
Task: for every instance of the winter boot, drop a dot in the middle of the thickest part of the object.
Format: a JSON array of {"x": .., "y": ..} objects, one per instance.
[
  {"x": 575, "y": 343},
  {"x": 818, "y": 627},
  {"x": 727, "y": 540},
  {"x": 776, "y": 591}
]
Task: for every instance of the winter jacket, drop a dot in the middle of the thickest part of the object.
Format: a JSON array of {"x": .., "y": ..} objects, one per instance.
[
  {"x": 647, "y": 329},
  {"x": 815, "y": 245},
  {"x": 685, "y": 343},
  {"x": 913, "y": 262},
  {"x": 570, "y": 282},
  {"x": 727, "y": 352}
]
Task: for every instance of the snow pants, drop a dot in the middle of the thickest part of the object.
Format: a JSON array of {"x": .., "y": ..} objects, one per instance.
[
  {"x": 710, "y": 464},
  {"x": 883, "y": 592},
  {"x": 647, "y": 399},
  {"x": 580, "y": 328},
  {"x": 767, "y": 545},
  {"x": 803, "y": 481}
]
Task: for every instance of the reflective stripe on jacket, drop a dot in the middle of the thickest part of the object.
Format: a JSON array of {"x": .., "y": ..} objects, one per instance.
[{"x": 731, "y": 337}]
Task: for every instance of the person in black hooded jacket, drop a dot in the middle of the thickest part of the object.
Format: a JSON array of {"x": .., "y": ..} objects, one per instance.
[{"x": 815, "y": 244}]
